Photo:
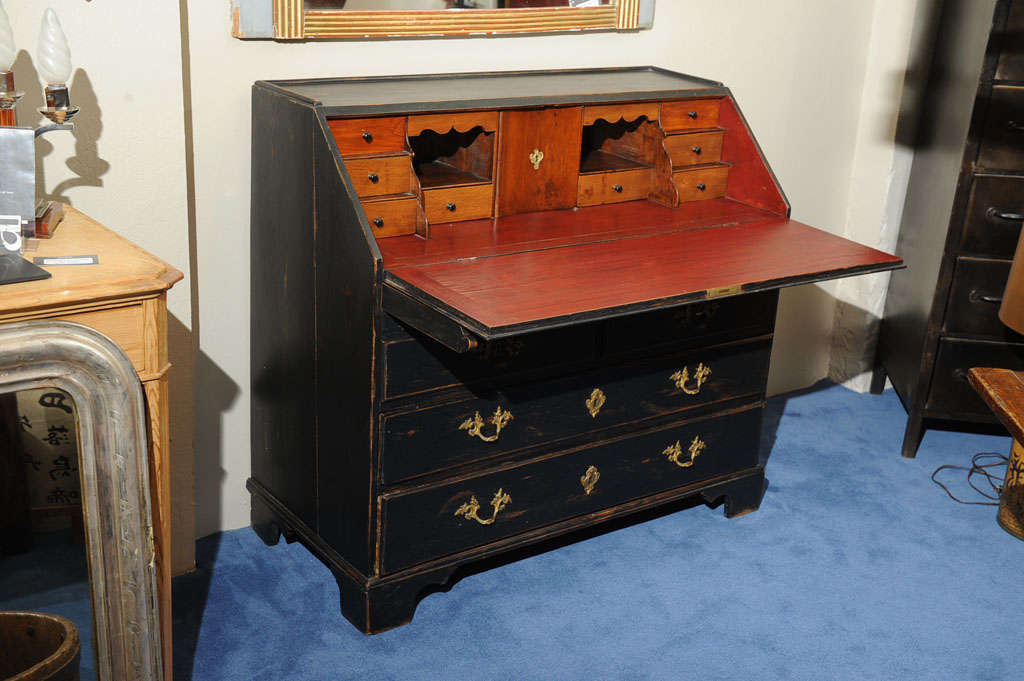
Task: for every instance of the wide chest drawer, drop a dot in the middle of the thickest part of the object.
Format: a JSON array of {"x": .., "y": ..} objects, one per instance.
[
  {"x": 995, "y": 212},
  {"x": 520, "y": 416},
  {"x": 974, "y": 299},
  {"x": 426, "y": 524},
  {"x": 950, "y": 393}
]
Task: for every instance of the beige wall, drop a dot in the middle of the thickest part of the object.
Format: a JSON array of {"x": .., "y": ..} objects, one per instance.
[{"x": 797, "y": 67}]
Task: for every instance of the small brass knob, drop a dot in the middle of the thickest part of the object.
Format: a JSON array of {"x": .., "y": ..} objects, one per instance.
[
  {"x": 617, "y": 187},
  {"x": 692, "y": 114},
  {"x": 451, "y": 207},
  {"x": 378, "y": 222},
  {"x": 702, "y": 186},
  {"x": 374, "y": 178},
  {"x": 368, "y": 137},
  {"x": 696, "y": 150}
]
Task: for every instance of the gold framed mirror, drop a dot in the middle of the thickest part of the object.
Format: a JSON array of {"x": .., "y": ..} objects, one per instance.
[{"x": 332, "y": 19}]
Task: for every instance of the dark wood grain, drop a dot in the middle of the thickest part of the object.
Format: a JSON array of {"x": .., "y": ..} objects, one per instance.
[
  {"x": 493, "y": 295},
  {"x": 523, "y": 188},
  {"x": 423, "y": 525}
]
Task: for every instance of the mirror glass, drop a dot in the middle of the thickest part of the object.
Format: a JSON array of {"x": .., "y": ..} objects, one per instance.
[{"x": 384, "y": 5}]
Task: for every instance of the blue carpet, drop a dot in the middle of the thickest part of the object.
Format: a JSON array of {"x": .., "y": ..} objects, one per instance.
[{"x": 856, "y": 567}]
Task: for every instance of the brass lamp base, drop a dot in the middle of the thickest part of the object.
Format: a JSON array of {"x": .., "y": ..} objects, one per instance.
[{"x": 1011, "y": 501}]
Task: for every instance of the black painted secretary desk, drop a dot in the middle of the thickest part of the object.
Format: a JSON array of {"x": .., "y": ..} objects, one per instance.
[{"x": 492, "y": 309}]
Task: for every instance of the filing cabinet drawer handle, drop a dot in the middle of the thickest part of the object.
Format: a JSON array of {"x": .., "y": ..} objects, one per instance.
[
  {"x": 1009, "y": 216},
  {"x": 682, "y": 379},
  {"x": 978, "y": 297},
  {"x": 474, "y": 427},
  {"x": 469, "y": 509},
  {"x": 1015, "y": 126},
  {"x": 675, "y": 452},
  {"x": 589, "y": 479},
  {"x": 595, "y": 402}
]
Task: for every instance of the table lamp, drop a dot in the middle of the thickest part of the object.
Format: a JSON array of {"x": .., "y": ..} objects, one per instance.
[
  {"x": 1011, "y": 311},
  {"x": 17, "y": 144}
]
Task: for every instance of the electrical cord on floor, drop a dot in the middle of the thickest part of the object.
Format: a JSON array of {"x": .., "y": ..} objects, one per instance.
[{"x": 982, "y": 469}]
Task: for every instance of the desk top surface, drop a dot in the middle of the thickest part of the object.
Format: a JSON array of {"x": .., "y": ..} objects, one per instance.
[
  {"x": 124, "y": 269},
  {"x": 1003, "y": 391}
]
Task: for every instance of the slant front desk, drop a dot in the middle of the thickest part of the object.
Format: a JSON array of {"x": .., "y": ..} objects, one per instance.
[{"x": 490, "y": 309}]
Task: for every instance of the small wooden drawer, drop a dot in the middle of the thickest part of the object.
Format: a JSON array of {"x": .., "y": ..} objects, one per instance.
[
  {"x": 430, "y": 523},
  {"x": 460, "y": 122},
  {"x": 521, "y": 416},
  {"x": 690, "y": 114},
  {"x": 453, "y": 204},
  {"x": 743, "y": 316},
  {"x": 994, "y": 216},
  {"x": 379, "y": 175},
  {"x": 701, "y": 182},
  {"x": 951, "y": 396},
  {"x": 1002, "y": 140},
  {"x": 625, "y": 185},
  {"x": 392, "y": 216},
  {"x": 612, "y": 113},
  {"x": 974, "y": 299},
  {"x": 419, "y": 364},
  {"x": 1011, "y": 57},
  {"x": 695, "y": 148},
  {"x": 369, "y": 135}
]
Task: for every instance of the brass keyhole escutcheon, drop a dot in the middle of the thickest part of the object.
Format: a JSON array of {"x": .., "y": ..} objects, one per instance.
[
  {"x": 589, "y": 479},
  {"x": 536, "y": 156},
  {"x": 595, "y": 402}
]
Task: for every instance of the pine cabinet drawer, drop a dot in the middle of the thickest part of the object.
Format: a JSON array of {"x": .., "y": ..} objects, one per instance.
[
  {"x": 379, "y": 175},
  {"x": 951, "y": 395},
  {"x": 431, "y": 523},
  {"x": 995, "y": 212},
  {"x": 625, "y": 185},
  {"x": 517, "y": 417},
  {"x": 701, "y": 182},
  {"x": 690, "y": 114},
  {"x": 974, "y": 299},
  {"x": 452, "y": 204},
  {"x": 369, "y": 135},
  {"x": 392, "y": 217},
  {"x": 694, "y": 148}
]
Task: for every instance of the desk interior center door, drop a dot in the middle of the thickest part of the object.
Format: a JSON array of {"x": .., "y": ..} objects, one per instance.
[{"x": 539, "y": 159}]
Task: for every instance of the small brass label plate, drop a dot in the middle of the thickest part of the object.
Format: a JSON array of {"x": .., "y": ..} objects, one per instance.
[{"x": 720, "y": 291}]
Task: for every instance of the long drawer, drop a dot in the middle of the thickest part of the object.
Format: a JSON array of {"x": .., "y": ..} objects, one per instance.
[
  {"x": 974, "y": 299},
  {"x": 425, "y": 524},
  {"x": 951, "y": 395},
  {"x": 516, "y": 417},
  {"x": 994, "y": 216}
]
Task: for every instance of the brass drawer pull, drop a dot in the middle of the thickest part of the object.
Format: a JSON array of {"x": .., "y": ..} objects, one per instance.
[
  {"x": 589, "y": 479},
  {"x": 469, "y": 509},
  {"x": 595, "y": 402},
  {"x": 674, "y": 452},
  {"x": 475, "y": 425},
  {"x": 682, "y": 378}
]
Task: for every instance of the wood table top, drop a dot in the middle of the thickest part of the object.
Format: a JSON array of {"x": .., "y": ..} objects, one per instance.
[
  {"x": 124, "y": 269},
  {"x": 1003, "y": 391}
]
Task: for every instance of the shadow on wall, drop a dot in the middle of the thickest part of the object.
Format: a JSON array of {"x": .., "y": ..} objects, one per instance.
[
  {"x": 219, "y": 393},
  {"x": 86, "y": 164}
]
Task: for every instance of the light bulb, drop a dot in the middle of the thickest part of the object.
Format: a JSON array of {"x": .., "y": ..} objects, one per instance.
[
  {"x": 53, "y": 56},
  {"x": 7, "y": 49}
]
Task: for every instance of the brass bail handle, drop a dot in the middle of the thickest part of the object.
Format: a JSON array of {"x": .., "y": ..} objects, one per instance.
[
  {"x": 682, "y": 379},
  {"x": 675, "y": 452},
  {"x": 474, "y": 426},
  {"x": 470, "y": 509}
]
